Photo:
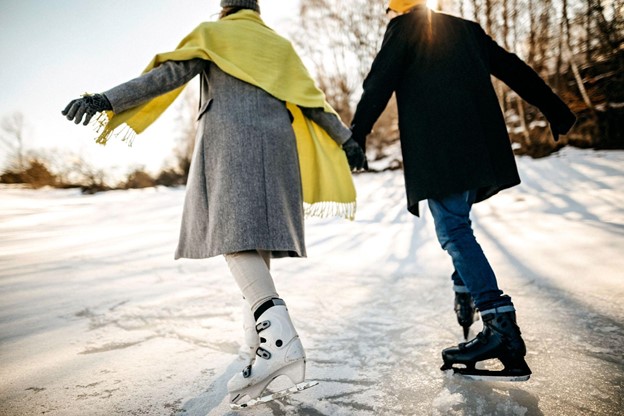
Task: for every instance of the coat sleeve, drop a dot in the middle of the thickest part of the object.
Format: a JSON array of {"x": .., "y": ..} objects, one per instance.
[
  {"x": 521, "y": 78},
  {"x": 382, "y": 80},
  {"x": 328, "y": 122},
  {"x": 160, "y": 80}
]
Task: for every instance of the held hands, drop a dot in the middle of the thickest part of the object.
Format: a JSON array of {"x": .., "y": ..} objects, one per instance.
[
  {"x": 355, "y": 155},
  {"x": 561, "y": 128},
  {"x": 86, "y": 106},
  {"x": 560, "y": 121}
]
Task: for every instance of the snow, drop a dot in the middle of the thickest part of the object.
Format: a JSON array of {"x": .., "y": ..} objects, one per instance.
[{"x": 96, "y": 318}]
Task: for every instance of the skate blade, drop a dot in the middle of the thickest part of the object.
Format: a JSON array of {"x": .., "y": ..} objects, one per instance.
[
  {"x": 494, "y": 377},
  {"x": 277, "y": 395},
  {"x": 484, "y": 375}
]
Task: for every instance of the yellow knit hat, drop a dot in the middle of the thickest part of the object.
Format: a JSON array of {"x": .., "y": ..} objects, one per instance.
[{"x": 401, "y": 6}]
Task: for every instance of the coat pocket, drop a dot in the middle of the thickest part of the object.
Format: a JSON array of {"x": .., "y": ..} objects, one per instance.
[{"x": 205, "y": 107}]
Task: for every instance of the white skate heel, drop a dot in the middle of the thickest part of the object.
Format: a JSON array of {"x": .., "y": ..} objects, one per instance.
[{"x": 279, "y": 353}]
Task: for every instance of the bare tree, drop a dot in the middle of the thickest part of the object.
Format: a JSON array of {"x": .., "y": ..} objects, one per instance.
[
  {"x": 340, "y": 40},
  {"x": 489, "y": 16},
  {"x": 75, "y": 170},
  {"x": 532, "y": 10},
  {"x": 12, "y": 139},
  {"x": 476, "y": 10}
]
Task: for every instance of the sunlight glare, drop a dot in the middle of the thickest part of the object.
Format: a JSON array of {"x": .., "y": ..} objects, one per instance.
[{"x": 432, "y": 4}]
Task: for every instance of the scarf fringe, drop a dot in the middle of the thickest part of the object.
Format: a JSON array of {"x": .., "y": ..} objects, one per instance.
[
  {"x": 327, "y": 209},
  {"x": 123, "y": 132}
]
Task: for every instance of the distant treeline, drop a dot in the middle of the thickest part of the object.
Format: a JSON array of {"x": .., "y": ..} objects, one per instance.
[
  {"x": 37, "y": 168},
  {"x": 64, "y": 169},
  {"x": 37, "y": 172}
]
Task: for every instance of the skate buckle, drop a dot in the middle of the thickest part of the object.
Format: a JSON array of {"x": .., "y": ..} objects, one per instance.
[
  {"x": 261, "y": 326},
  {"x": 261, "y": 352}
]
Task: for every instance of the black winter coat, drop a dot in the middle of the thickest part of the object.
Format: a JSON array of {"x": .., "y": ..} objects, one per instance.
[{"x": 453, "y": 134}]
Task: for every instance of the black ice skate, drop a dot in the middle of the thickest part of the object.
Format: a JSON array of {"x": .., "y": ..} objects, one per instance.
[
  {"x": 499, "y": 339},
  {"x": 466, "y": 311}
]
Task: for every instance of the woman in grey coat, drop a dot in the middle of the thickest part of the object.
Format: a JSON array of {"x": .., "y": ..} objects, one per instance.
[{"x": 244, "y": 196}]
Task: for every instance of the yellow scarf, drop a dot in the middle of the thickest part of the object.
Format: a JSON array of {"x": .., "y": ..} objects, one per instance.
[{"x": 325, "y": 175}]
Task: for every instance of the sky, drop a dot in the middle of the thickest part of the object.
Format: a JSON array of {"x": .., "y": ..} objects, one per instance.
[{"x": 53, "y": 51}]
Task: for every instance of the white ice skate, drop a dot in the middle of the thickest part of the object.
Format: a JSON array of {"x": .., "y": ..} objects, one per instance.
[{"x": 279, "y": 353}]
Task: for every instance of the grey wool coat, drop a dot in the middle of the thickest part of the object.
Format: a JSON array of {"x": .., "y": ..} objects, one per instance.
[{"x": 244, "y": 187}]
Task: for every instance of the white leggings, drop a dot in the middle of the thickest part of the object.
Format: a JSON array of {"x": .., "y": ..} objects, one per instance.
[{"x": 251, "y": 270}]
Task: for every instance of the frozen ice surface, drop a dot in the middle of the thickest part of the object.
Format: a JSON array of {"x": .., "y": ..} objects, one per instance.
[{"x": 96, "y": 318}]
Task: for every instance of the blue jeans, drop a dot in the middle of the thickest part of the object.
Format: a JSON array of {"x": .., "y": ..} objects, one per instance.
[{"x": 473, "y": 272}]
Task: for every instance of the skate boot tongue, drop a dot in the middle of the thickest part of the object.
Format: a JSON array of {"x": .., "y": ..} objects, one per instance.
[{"x": 465, "y": 310}]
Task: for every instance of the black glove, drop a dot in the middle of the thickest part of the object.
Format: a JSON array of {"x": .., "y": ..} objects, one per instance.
[
  {"x": 561, "y": 120},
  {"x": 562, "y": 127},
  {"x": 355, "y": 155},
  {"x": 87, "y": 106}
]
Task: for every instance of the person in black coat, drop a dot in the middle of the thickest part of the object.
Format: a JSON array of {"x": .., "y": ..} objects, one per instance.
[{"x": 456, "y": 152}]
